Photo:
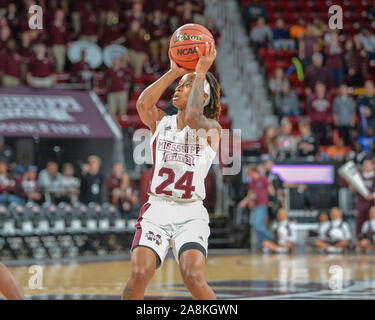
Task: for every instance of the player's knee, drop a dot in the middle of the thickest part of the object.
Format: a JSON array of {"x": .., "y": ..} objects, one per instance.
[
  {"x": 194, "y": 278},
  {"x": 140, "y": 276}
]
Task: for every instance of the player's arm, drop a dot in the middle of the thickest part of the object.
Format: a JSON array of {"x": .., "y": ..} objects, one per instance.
[
  {"x": 146, "y": 103},
  {"x": 194, "y": 117}
]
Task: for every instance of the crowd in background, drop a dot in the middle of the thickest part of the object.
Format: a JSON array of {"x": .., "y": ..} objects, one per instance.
[
  {"x": 50, "y": 184},
  {"x": 38, "y": 58}
]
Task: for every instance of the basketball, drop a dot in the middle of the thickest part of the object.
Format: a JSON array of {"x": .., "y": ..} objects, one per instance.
[{"x": 183, "y": 42}]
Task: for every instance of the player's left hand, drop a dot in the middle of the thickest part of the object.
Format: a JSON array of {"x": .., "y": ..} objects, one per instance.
[{"x": 205, "y": 61}]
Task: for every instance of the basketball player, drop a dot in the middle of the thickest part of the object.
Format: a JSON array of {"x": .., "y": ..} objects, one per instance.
[
  {"x": 285, "y": 235},
  {"x": 367, "y": 236},
  {"x": 174, "y": 214},
  {"x": 8, "y": 285},
  {"x": 336, "y": 235}
]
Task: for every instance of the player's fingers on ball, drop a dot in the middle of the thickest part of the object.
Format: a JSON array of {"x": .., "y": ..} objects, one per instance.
[
  {"x": 199, "y": 52},
  {"x": 208, "y": 50}
]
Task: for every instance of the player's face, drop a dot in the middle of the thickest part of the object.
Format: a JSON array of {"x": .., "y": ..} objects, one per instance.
[{"x": 182, "y": 91}]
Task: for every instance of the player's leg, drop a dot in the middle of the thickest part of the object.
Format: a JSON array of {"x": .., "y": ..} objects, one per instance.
[
  {"x": 192, "y": 263},
  {"x": 143, "y": 266},
  {"x": 8, "y": 285},
  {"x": 270, "y": 245},
  {"x": 363, "y": 244},
  {"x": 344, "y": 244},
  {"x": 321, "y": 244}
]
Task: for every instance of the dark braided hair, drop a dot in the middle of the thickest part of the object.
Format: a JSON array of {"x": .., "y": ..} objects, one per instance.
[{"x": 212, "y": 110}]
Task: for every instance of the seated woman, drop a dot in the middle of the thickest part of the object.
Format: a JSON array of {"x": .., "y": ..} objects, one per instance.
[
  {"x": 323, "y": 223},
  {"x": 336, "y": 235},
  {"x": 284, "y": 235},
  {"x": 366, "y": 240}
]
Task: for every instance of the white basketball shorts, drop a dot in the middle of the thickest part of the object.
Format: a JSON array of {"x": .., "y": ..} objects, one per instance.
[{"x": 164, "y": 223}]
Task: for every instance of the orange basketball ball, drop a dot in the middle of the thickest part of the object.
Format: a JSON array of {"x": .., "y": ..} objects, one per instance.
[{"x": 183, "y": 42}]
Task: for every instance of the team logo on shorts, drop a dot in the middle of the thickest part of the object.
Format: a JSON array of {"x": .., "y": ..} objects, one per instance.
[{"x": 153, "y": 237}]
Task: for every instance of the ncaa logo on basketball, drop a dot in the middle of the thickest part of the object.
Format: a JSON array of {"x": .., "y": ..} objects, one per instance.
[
  {"x": 153, "y": 237},
  {"x": 186, "y": 51},
  {"x": 183, "y": 37}
]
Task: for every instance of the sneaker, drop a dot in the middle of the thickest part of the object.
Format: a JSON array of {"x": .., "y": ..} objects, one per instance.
[
  {"x": 282, "y": 250},
  {"x": 332, "y": 249}
]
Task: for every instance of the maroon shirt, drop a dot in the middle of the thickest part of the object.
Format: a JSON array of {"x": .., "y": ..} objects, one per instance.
[
  {"x": 41, "y": 68},
  {"x": 158, "y": 29},
  {"x": 319, "y": 110},
  {"x": 259, "y": 188},
  {"x": 117, "y": 79},
  {"x": 59, "y": 34},
  {"x": 110, "y": 34},
  {"x": 362, "y": 203},
  {"x": 314, "y": 75},
  {"x": 112, "y": 184},
  {"x": 78, "y": 67},
  {"x": 136, "y": 42},
  {"x": 334, "y": 56},
  {"x": 89, "y": 24},
  {"x": 11, "y": 64}
]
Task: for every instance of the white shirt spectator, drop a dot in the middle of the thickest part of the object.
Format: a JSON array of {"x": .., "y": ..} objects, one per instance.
[
  {"x": 337, "y": 230},
  {"x": 284, "y": 232}
]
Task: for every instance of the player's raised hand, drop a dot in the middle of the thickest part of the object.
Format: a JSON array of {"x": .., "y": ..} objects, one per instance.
[
  {"x": 205, "y": 61},
  {"x": 176, "y": 70}
]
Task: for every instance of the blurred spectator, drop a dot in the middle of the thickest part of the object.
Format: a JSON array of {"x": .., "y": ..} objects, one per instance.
[
  {"x": 210, "y": 24},
  {"x": 366, "y": 240},
  {"x": 91, "y": 181},
  {"x": 337, "y": 234},
  {"x": 49, "y": 182},
  {"x": 280, "y": 36},
  {"x": 125, "y": 196},
  {"x": 253, "y": 11},
  {"x": 12, "y": 16},
  {"x": 257, "y": 201},
  {"x": 28, "y": 185},
  {"x": 111, "y": 32},
  {"x": 267, "y": 142},
  {"x": 308, "y": 44},
  {"x": 366, "y": 140},
  {"x": 364, "y": 204},
  {"x": 158, "y": 29},
  {"x": 81, "y": 71},
  {"x": 317, "y": 73},
  {"x": 323, "y": 225},
  {"x": 114, "y": 180},
  {"x": 8, "y": 187},
  {"x": 89, "y": 23},
  {"x": 135, "y": 40},
  {"x": 366, "y": 105},
  {"x": 41, "y": 69},
  {"x": 118, "y": 84},
  {"x": 69, "y": 184},
  {"x": 26, "y": 53},
  {"x": 276, "y": 82},
  {"x": 370, "y": 154},
  {"x": 334, "y": 53},
  {"x": 355, "y": 61},
  {"x": 136, "y": 13},
  {"x": 286, "y": 101},
  {"x": 284, "y": 235},
  {"x": 344, "y": 113},
  {"x": 319, "y": 27},
  {"x": 10, "y": 65},
  {"x": 286, "y": 142},
  {"x": 338, "y": 151},
  {"x": 368, "y": 42},
  {"x": 5, "y": 35},
  {"x": 307, "y": 145},
  {"x": 319, "y": 109},
  {"x": 276, "y": 201},
  {"x": 261, "y": 33},
  {"x": 297, "y": 30},
  {"x": 77, "y": 12},
  {"x": 59, "y": 38}
]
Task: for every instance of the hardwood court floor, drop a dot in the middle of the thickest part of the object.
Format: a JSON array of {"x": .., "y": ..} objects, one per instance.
[{"x": 244, "y": 276}]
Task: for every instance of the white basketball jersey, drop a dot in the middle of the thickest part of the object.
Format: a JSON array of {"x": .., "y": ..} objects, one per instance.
[{"x": 180, "y": 166}]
